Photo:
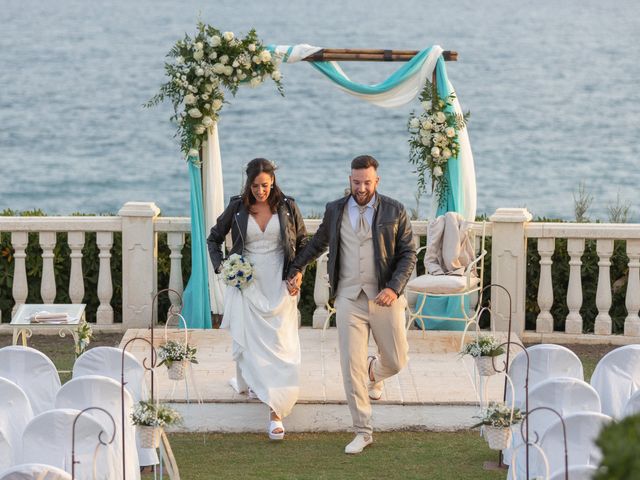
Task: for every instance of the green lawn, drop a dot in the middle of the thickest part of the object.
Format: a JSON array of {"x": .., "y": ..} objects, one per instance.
[{"x": 405, "y": 455}]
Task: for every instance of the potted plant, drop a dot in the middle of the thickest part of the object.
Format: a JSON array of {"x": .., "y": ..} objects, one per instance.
[
  {"x": 176, "y": 356},
  {"x": 484, "y": 350},
  {"x": 151, "y": 418},
  {"x": 496, "y": 421}
]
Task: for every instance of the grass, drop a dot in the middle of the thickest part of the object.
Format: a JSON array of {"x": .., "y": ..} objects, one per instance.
[{"x": 406, "y": 455}]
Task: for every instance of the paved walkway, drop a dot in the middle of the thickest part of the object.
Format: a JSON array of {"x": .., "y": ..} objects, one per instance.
[{"x": 435, "y": 375}]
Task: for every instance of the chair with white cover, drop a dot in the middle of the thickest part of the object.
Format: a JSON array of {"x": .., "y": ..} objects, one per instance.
[
  {"x": 582, "y": 431},
  {"x": 32, "y": 371},
  {"x": 616, "y": 378},
  {"x": 563, "y": 394},
  {"x": 99, "y": 391},
  {"x": 47, "y": 439},
  {"x": 15, "y": 414},
  {"x": 576, "y": 472},
  {"x": 545, "y": 361},
  {"x": 107, "y": 361},
  {"x": 633, "y": 405},
  {"x": 452, "y": 269},
  {"x": 34, "y": 471}
]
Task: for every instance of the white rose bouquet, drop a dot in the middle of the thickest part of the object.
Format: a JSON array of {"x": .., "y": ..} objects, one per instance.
[
  {"x": 199, "y": 70},
  {"x": 434, "y": 139},
  {"x": 237, "y": 271}
]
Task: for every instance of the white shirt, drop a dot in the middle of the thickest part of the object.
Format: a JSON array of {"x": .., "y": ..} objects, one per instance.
[{"x": 354, "y": 211}]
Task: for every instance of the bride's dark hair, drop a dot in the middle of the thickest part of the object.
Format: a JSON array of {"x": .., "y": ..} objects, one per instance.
[{"x": 254, "y": 168}]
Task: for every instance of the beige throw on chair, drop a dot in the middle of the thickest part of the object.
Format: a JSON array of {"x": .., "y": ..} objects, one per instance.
[{"x": 449, "y": 248}]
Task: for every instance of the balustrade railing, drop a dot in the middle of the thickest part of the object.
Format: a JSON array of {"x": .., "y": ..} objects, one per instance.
[{"x": 139, "y": 226}]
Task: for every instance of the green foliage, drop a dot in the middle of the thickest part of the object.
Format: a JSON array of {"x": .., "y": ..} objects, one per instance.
[{"x": 619, "y": 443}]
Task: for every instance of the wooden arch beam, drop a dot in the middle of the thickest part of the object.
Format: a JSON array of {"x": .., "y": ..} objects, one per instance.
[{"x": 370, "y": 55}]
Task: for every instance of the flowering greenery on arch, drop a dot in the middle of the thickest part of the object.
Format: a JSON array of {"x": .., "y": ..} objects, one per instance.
[{"x": 199, "y": 69}]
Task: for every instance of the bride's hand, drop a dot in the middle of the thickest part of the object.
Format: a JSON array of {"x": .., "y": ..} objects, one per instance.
[{"x": 294, "y": 283}]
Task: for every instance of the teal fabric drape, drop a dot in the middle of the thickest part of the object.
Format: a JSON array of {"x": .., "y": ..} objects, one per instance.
[{"x": 196, "y": 307}]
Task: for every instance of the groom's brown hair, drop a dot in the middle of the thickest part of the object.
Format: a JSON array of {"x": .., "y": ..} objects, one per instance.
[{"x": 364, "y": 161}]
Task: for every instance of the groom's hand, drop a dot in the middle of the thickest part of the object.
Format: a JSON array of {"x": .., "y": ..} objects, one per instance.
[
  {"x": 386, "y": 298},
  {"x": 293, "y": 283}
]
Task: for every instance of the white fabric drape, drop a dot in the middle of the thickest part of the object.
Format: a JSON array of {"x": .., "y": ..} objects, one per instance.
[{"x": 213, "y": 198}]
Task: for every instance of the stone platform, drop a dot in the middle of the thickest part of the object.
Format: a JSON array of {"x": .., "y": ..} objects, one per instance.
[{"x": 435, "y": 391}]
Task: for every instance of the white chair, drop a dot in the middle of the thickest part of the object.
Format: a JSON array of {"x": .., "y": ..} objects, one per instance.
[
  {"x": 545, "y": 361},
  {"x": 566, "y": 396},
  {"x": 104, "y": 392},
  {"x": 47, "y": 439},
  {"x": 576, "y": 472},
  {"x": 32, "y": 371},
  {"x": 582, "y": 431},
  {"x": 616, "y": 378},
  {"x": 107, "y": 361},
  {"x": 470, "y": 282},
  {"x": 34, "y": 471},
  {"x": 633, "y": 405},
  {"x": 15, "y": 414}
]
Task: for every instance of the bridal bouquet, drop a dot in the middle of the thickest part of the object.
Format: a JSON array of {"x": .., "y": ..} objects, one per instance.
[
  {"x": 237, "y": 271},
  {"x": 434, "y": 139},
  {"x": 198, "y": 71}
]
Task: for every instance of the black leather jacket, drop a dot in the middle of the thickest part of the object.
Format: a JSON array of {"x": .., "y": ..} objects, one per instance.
[
  {"x": 235, "y": 218},
  {"x": 395, "y": 252}
]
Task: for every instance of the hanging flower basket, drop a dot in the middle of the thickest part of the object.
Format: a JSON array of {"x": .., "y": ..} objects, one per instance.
[
  {"x": 177, "y": 369},
  {"x": 498, "y": 438},
  {"x": 485, "y": 366},
  {"x": 149, "y": 436}
]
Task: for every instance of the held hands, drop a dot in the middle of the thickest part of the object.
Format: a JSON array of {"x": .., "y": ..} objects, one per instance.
[
  {"x": 386, "y": 298},
  {"x": 293, "y": 284}
]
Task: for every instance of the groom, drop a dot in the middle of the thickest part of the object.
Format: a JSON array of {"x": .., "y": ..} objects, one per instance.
[{"x": 371, "y": 256}]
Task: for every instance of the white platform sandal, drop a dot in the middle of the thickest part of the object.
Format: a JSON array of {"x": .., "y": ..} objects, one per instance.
[{"x": 275, "y": 425}]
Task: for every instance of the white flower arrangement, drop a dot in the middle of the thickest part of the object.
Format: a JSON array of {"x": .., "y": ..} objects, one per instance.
[
  {"x": 173, "y": 351},
  {"x": 434, "y": 139},
  {"x": 149, "y": 414},
  {"x": 499, "y": 415},
  {"x": 484, "y": 346},
  {"x": 237, "y": 271},
  {"x": 84, "y": 333},
  {"x": 199, "y": 69}
]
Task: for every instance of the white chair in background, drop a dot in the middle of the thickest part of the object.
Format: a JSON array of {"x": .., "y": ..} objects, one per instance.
[
  {"x": 576, "y": 472},
  {"x": 545, "y": 361},
  {"x": 34, "y": 471},
  {"x": 99, "y": 391},
  {"x": 616, "y": 378},
  {"x": 15, "y": 414},
  {"x": 107, "y": 361},
  {"x": 582, "y": 431},
  {"x": 633, "y": 405},
  {"x": 32, "y": 371},
  {"x": 47, "y": 439},
  {"x": 566, "y": 396}
]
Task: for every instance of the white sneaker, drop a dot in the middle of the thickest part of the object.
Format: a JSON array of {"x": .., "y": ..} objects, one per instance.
[
  {"x": 375, "y": 388},
  {"x": 360, "y": 441}
]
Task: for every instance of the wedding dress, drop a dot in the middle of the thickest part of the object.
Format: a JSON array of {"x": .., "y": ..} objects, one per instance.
[{"x": 263, "y": 319}]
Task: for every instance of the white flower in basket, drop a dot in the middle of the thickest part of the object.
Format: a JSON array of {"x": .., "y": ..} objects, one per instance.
[
  {"x": 151, "y": 418},
  {"x": 496, "y": 423},
  {"x": 237, "y": 271},
  {"x": 176, "y": 356},
  {"x": 484, "y": 350}
]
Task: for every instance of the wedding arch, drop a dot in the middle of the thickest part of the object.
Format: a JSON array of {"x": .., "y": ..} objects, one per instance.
[{"x": 202, "y": 67}]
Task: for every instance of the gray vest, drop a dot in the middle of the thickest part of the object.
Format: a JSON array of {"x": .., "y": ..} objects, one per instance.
[{"x": 357, "y": 267}]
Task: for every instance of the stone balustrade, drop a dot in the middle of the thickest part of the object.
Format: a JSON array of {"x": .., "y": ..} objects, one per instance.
[{"x": 140, "y": 223}]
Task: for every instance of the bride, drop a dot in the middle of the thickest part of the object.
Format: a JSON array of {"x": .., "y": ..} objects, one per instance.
[{"x": 267, "y": 229}]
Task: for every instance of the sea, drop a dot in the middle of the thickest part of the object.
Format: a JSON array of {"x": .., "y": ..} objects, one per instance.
[{"x": 553, "y": 88}]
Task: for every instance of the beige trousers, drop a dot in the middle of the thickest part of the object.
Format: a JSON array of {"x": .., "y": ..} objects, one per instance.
[{"x": 355, "y": 319}]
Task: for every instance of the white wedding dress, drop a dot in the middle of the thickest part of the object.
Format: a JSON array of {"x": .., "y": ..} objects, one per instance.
[{"x": 263, "y": 319}]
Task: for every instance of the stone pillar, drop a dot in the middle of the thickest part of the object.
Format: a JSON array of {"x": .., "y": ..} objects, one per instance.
[
  {"x": 139, "y": 262},
  {"x": 508, "y": 266}
]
